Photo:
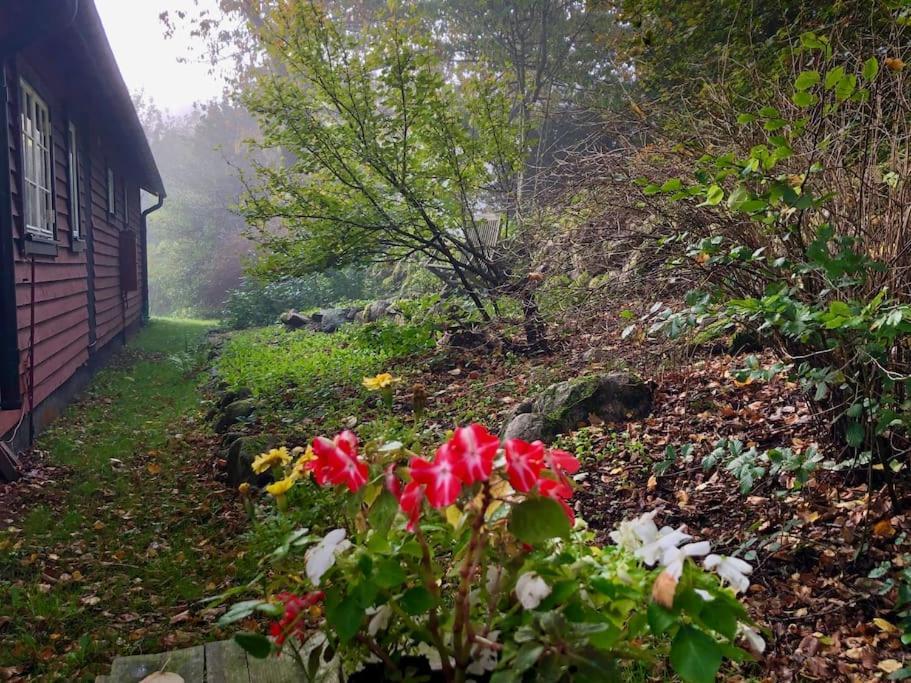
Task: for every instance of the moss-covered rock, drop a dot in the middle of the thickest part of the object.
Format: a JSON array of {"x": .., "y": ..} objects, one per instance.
[{"x": 566, "y": 406}]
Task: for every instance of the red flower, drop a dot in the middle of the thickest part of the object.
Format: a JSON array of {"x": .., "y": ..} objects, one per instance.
[
  {"x": 410, "y": 503},
  {"x": 475, "y": 448},
  {"x": 393, "y": 485},
  {"x": 439, "y": 477},
  {"x": 291, "y": 622},
  {"x": 560, "y": 492},
  {"x": 561, "y": 461},
  {"x": 524, "y": 462},
  {"x": 337, "y": 462}
]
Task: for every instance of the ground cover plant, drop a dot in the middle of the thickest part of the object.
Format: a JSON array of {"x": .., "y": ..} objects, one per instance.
[{"x": 90, "y": 566}]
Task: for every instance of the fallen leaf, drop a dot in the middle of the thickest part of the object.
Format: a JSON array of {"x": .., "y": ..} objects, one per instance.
[{"x": 889, "y": 665}]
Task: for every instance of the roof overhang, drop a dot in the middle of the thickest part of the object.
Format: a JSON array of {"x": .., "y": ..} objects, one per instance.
[{"x": 74, "y": 28}]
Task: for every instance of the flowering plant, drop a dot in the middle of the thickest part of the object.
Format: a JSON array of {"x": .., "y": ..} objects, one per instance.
[
  {"x": 384, "y": 383},
  {"x": 473, "y": 565}
]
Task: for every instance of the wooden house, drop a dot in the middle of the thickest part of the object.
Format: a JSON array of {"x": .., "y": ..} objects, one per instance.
[{"x": 80, "y": 181}]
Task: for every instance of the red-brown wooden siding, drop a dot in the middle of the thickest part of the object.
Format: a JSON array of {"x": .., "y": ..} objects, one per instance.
[{"x": 61, "y": 287}]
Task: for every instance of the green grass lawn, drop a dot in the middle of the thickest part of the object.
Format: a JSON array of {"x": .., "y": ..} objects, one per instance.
[{"x": 108, "y": 552}]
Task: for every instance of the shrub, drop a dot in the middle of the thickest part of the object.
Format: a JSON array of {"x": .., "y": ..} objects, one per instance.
[
  {"x": 256, "y": 303},
  {"x": 472, "y": 563},
  {"x": 797, "y": 227}
]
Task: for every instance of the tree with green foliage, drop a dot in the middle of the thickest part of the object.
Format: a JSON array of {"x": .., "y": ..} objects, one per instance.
[{"x": 387, "y": 158}]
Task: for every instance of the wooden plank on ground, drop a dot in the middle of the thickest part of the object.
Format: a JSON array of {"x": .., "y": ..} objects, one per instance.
[
  {"x": 188, "y": 663},
  {"x": 274, "y": 670},
  {"x": 226, "y": 662}
]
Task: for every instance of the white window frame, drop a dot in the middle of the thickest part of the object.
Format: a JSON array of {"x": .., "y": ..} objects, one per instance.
[
  {"x": 112, "y": 195},
  {"x": 73, "y": 170},
  {"x": 37, "y": 172}
]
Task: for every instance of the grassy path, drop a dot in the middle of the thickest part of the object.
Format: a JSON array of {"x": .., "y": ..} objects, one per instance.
[{"x": 110, "y": 543}]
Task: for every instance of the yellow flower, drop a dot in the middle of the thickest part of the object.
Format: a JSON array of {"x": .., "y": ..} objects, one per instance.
[
  {"x": 281, "y": 487},
  {"x": 244, "y": 488},
  {"x": 300, "y": 467},
  {"x": 382, "y": 381},
  {"x": 277, "y": 456}
]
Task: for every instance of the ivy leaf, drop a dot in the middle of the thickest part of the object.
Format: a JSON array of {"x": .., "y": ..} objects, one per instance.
[
  {"x": 254, "y": 644},
  {"x": 537, "y": 520},
  {"x": 695, "y": 656}
]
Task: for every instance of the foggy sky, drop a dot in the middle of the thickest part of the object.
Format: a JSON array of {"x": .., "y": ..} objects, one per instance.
[{"x": 148, "y": 61}]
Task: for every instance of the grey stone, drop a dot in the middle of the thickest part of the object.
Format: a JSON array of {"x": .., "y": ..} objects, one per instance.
[
  {"x": 294, "y": 320},
  {"x": 525, "y": 426},
  {"x": 563, "y": 407},
  {"x": 331, "y": 319},
  {"x": 378, "y": 310},
  {"x": 233, "y": 412}
]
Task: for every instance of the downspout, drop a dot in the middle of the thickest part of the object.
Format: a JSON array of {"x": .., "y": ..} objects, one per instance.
[
  {"x": 143, "y": 238},
  {"x": 10, "y": 392}
]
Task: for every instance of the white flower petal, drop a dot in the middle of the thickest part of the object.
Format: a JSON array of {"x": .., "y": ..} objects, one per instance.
[
  {"x": 755, "y": 641},
  {"x": 380, "y": 620},
  {"x": 531, "y": 589}
]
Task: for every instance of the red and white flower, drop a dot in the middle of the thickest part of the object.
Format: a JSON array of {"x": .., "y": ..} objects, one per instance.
[
  {"x": 337, "y": 462},
  {"x": 475, "y": 449},
  {"x": 524, "y": 462},
  {"x": 439, "y": 477}
]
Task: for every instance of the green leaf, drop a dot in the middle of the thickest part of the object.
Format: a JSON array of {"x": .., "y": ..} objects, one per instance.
[
  {"x": 537, "y": 520},
  {"x": 871, "y": 69},
  {"x": 345, "y": 616},
  {"x": 833, "y": 76},
  {"x": 659, "y": 618},
  {"x": 804, "y": 99},
  {"x": 744, "y": 119},
  {"x": 714, "y": 195},
  {"x": 845, "y": 87},
  {"x": 240, "y": 610},
  {"x": 254, "y": 644},
  {"x": 417, "y": 600},
  {"x": 807, "y": 80},
  {"x": 854, "y": 434},
  {"x": 671, "y": 185},
  {"x": 695, "y": 656},
  {"x": 527, "y": 656},
  {"x": 389, "y": 574}
]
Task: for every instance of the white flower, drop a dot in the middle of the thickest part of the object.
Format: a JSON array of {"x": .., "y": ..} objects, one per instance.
[
  {"x": 494, "y": 579},
  {"x": 653, "y": 549},
  {"x": 673, "y": 558},
  {"x": 379, "y": 620},
  {"x": 531, "y": 589},
  {"x": 320, "y": 558},
  {"x": 730, "y": 569},
  {"x": 432, "y": 655},
  {"x": 705, "y": 595},
  {"x": 632, "y": 533},
  {"x": 755, "y": 641},
  {"x": 484, "y": 658}
]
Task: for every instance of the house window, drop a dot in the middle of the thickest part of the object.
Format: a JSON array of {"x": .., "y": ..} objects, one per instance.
[
  {"x": 73, "y": 159},
  {"x": 36, "y": 161},
  {"x": 111, "y": 195}
]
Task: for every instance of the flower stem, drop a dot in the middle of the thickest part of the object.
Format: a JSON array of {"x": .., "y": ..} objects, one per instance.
[
  {"x": 433, "y": 621},
  {"x": 462, "y": 642}
]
